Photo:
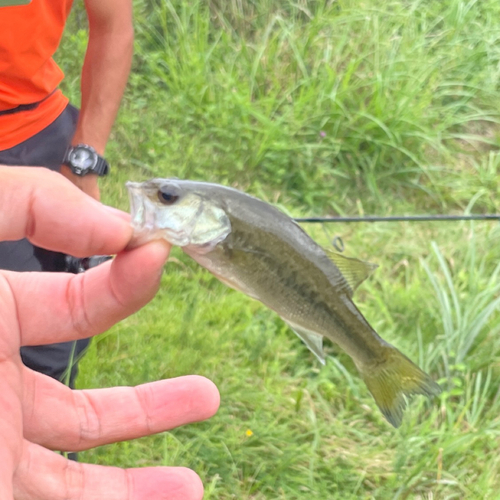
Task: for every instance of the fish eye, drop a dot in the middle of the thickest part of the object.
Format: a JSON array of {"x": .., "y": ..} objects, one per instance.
[{"x": 168, "y": 195}]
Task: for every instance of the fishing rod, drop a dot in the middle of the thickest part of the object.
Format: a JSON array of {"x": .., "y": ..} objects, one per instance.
[
  {"x": 395, "y": 218},
  {"x": 338, "y": 243}
]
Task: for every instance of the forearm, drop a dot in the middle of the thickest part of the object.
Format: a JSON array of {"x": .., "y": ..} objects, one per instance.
[{"x": 104, "y": 77}]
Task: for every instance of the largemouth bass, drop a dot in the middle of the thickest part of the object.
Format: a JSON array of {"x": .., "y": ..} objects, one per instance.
[{"x": 253, "y": 247}]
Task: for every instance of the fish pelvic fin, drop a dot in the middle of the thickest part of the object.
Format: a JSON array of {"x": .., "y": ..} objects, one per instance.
[
  {"x": 393, "y": 380},
  {"x": 313, "y": 340}
]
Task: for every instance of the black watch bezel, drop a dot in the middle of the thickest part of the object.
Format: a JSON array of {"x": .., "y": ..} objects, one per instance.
[{"x": 99, "y": 165}]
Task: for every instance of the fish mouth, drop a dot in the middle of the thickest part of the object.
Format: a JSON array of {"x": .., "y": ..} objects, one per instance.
[
  {"x": 141, "y": 220},
  {"x": 138, "y": 209},
  {"x": 144, "y": 220}
]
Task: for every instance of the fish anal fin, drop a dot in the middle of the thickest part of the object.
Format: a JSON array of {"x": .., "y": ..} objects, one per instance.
[
  {"x": 313, "y": 340},
  {"x": 355, "y": 271}
]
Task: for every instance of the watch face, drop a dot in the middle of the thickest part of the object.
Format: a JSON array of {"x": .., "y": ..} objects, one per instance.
[{"x": 82, "y": 159}]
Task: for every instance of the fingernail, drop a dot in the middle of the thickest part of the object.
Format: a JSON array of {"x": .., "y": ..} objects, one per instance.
[{"x": 160, "y": 247}]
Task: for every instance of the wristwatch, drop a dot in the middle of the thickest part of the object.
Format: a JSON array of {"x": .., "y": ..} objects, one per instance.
[{"x": 83, "y": 159}]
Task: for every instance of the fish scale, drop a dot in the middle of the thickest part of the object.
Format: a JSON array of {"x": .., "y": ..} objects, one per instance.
[{"x": 302, "y": 296}]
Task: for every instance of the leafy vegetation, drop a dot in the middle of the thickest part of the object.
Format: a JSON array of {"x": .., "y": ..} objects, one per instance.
[{"x": 345, "y": 107}]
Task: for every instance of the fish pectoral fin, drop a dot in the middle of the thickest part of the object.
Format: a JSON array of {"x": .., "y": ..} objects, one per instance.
[
  {"x": 313, "y": 340},
  {"x": 355, "y": 271}
]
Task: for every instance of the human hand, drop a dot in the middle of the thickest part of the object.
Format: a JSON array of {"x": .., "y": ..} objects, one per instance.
[
  {"x": 38, "y": 414},
  {"x": 87, "y": 183}
]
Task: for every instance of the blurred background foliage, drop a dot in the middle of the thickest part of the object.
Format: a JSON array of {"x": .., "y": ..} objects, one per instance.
[{"x": 321, "y": 107}]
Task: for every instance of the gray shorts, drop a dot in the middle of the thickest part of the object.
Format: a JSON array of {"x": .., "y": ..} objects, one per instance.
[{"x": 45, "y": 149}]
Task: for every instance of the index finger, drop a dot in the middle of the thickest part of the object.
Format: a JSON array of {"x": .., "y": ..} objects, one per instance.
[{"x": 52, "y": 213}]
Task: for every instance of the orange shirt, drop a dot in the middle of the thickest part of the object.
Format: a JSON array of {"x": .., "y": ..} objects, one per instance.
[{"x": 29, "y": 37}]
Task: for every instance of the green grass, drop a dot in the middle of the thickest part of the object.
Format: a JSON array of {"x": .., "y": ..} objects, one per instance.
[{"x": 321, "y": 107}]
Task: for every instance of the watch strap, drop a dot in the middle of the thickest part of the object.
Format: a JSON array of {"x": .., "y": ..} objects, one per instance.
[
  {"x": 101, "y": 167},
  {"x": 66, "y": 156}
]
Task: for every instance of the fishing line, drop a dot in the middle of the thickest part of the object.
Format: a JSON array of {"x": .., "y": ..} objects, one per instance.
[
  {"x": 338, "y": 244},
  {"x": 394, "y": 218}
]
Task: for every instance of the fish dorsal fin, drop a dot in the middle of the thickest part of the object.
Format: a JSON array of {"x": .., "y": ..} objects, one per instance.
[
  {"x": 313, "y": 340},
  {"x": 355, "y": 271}
]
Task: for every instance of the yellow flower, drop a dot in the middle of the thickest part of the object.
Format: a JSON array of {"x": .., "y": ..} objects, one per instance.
[{"x": 249, "y": 433}]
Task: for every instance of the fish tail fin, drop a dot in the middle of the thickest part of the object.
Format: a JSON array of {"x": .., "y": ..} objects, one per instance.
[{"x": 397, "y": 377}]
